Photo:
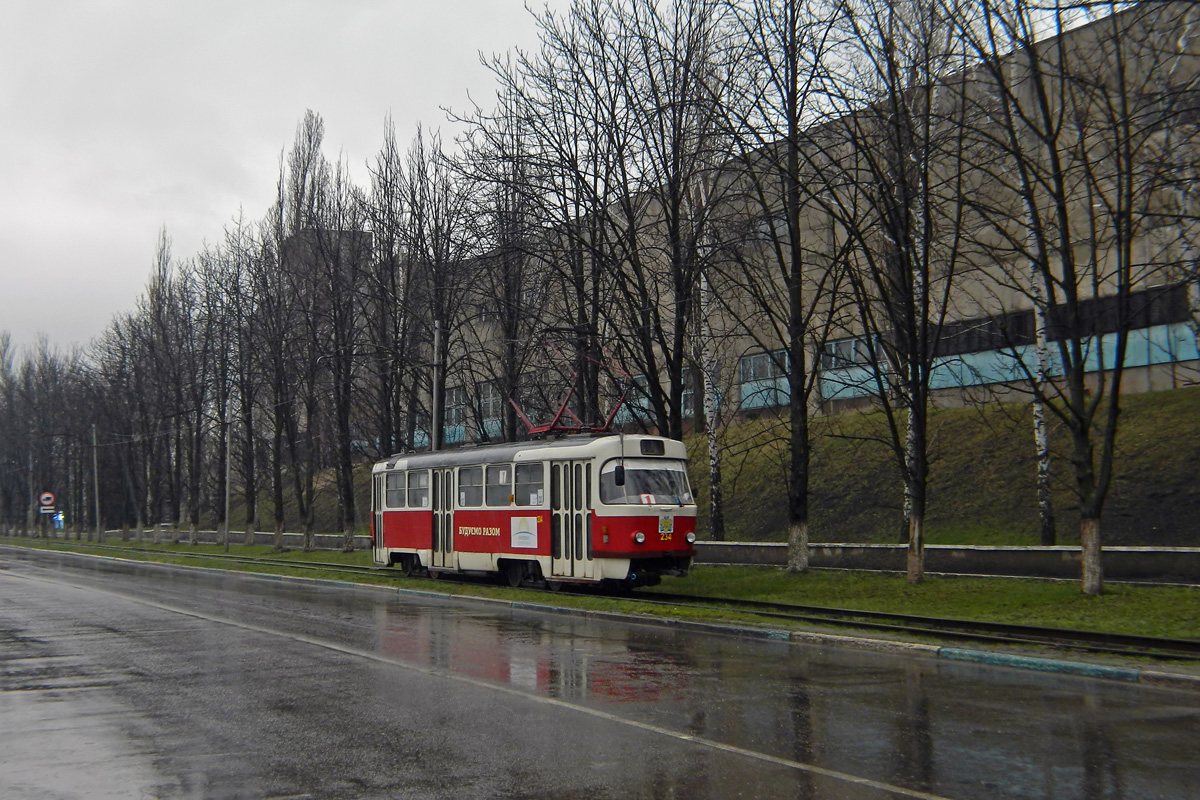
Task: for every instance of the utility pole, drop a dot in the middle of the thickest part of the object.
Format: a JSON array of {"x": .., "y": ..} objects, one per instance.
[
  {"x": 32, "y": 496},
  {"x": 435, "y": 424},
  {"x": 228, "y": 436},
  {"x": 96, "y": 486}
]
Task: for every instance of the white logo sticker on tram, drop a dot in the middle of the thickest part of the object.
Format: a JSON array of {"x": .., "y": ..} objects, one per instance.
[
  {"x": 666, "y": 524},
  {"x": 524, "y": 533}
]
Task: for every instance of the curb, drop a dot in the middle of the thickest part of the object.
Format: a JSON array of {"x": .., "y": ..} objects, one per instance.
[
  {"x": 1153, "y": 678},
  {"x": 1041, "y": 664},
  {"x": 1148, "y": 677}
]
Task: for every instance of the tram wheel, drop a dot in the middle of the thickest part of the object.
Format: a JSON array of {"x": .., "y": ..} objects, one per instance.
[
  {"x": 514, "y": 573},
  {"x": 408, "y": 565},
  {"x": 554, "y": 586}
]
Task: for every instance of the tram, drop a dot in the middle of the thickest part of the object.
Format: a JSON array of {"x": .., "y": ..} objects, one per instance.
[{"x": 612, "y": 509}]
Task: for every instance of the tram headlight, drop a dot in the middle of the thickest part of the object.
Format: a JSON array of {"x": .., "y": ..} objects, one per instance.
[
  {"x": 639, "y": 537},
  {"x": 691, "y": 538}
]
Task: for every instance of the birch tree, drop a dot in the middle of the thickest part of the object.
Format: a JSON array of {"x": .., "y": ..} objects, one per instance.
[{"x": 892, "y": 162}]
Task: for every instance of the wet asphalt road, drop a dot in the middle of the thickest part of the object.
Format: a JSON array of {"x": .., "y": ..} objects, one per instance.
[{"x": 121, "y": 680}]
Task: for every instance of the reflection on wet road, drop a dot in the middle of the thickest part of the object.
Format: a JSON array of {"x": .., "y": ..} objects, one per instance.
[{"x": 212, "y": 685}]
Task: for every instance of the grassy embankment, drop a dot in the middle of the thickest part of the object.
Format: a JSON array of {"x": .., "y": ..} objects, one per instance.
[
  {"x": 1145, "y": 610},
  {"x": 981, "y": 483}
]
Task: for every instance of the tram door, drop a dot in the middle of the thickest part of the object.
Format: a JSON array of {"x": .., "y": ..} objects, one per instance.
[
  {"x": 570, "y": 519},
  {"x": 443, "y": 518},
  {"x": 377, "y": 517}
]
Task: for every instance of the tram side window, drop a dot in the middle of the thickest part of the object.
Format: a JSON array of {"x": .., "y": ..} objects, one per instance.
[
  {"x": 530, "y": 485},
  {"x": 418, "y": 489},
  {"x": 395, "y": 490},
  {"x": 470, "y": 486},
  {"x": 499, "y": 485}
]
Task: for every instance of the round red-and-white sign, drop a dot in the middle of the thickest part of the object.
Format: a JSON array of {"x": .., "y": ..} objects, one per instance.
[{"x": 47, "y": 499}]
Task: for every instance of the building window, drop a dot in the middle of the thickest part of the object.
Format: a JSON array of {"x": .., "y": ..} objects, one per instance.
[
  {"x": 456, "y": 406},
  {"x": 454, "y": 429},
  {"x": 636, "y": 407},
  {"x": 691, "y": 390},
  {"x": 842, "y": 353},
  {"x": 421, "y": 429},
  {"x": 1096, "y": 316},
  {"x": 491, "y": 410},
  {"x": 764, "y": 380},
  {"x": 762, "y": 366}
]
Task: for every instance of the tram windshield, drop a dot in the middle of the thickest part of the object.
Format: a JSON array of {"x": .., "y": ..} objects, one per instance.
[{"x": 648, "y": 481}]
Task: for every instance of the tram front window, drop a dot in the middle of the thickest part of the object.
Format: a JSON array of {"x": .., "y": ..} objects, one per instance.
[{"x": 648, "y": 481}]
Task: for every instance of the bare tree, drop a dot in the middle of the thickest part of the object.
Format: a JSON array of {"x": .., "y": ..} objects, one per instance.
[
  {"x": 340, "y": 249},
  {"x": 1076, "y": 111},
  {"x": 891, "y": 163},
  {"x": 786, "y": 265},
  {"x": 387, "y": 288},
  {"x": 435, "y": 240},
  {"x": 509, "y": 298},
  {"x": 243, "y": 249}
]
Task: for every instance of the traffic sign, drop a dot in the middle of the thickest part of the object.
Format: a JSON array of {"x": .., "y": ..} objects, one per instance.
[
  {"x": 47, "y": 499},
  {"x": 46, "y": 509}
]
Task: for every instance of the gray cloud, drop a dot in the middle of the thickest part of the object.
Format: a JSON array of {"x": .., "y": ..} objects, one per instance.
[{"x": 119, "y": 117}]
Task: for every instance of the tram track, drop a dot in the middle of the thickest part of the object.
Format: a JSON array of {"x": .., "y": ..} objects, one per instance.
[{"x": 882, "y": 622}]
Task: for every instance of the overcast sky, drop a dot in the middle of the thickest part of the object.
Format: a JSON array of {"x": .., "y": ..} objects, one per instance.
[{"x": 118, "y": 117}]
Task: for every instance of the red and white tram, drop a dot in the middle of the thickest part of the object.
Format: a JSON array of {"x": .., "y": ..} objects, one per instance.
[{"x": 613, "y": 508}]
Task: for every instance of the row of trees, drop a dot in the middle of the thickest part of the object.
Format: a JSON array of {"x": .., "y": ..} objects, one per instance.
[{"x": 659, "y": 189}]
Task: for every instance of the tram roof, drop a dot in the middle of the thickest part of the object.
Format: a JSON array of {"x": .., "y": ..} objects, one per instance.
[{"x": 493, "y": 453}]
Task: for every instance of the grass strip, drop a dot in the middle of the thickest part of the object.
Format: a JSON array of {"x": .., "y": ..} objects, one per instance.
[{"x": 1163, "y": 611}]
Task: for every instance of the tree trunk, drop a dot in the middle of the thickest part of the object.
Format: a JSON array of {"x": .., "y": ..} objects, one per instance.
[
  {"x": 277, "y": 489},
  {"x": 915, "y": 563},
  {"x": 1040, "y": 436},
  {"x": 309, "y": 540},
  {"x": 1045, "y": 498},
  {"x": 711, "y": 415},
  {"x": 1093, "y": 569},
  {"x": 798, "y": 547}
]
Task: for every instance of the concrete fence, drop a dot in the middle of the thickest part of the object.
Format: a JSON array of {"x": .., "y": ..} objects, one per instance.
[
  {"x": 1120, "y": 563},
  {"x": 292, "y": 541},
  {"x": 1181, "y": 564}
]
